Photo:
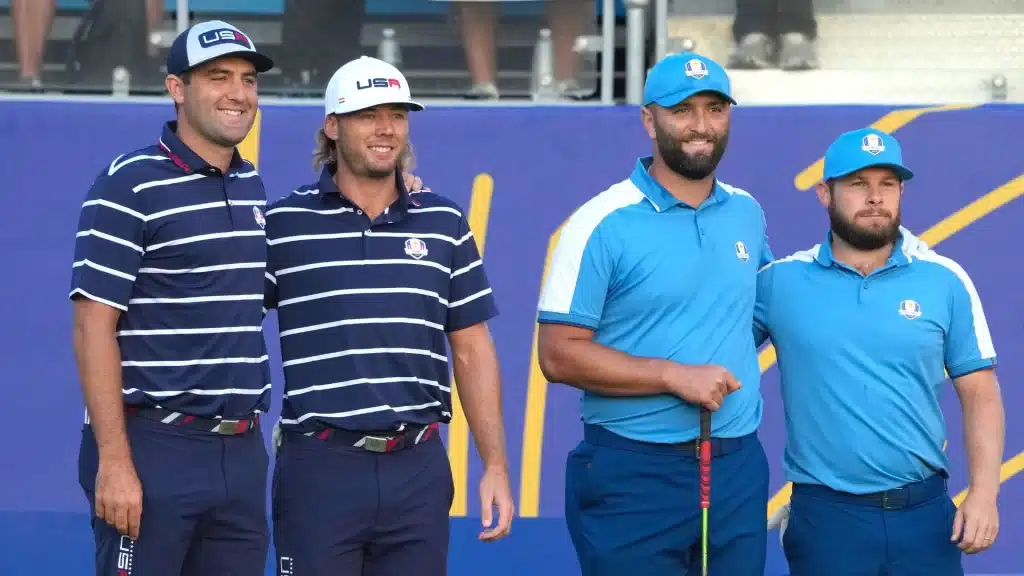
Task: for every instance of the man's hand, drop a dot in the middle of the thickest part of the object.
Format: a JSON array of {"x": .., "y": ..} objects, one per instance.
[
  {"x": 780, "y": 520},
  {"x": 413, "y": 183},
  {"x": 495, "y": 492},
  {"x": 977, "y": 521},
  {"x": 119, "y": 496},
  {"x": 706, "y": 385},
  {"x": 275, "y": 436}
]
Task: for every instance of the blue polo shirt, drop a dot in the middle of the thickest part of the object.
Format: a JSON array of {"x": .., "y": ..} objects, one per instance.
[
  {"x": 862, "y": 360},
  {"x": 365, "y": 307},
  {"x": 179, "y": 248},
  {"x": 654, "y": 277}
]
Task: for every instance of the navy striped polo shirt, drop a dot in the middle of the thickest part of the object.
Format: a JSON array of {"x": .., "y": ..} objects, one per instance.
[
  {"x": 364, "y": 308},
  {"x": 179, "y": 247}
]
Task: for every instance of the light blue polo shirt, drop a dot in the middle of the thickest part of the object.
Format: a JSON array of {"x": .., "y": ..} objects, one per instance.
[
  {"x": 654, "y": 277},
  {"x": 862, "y": 361}
]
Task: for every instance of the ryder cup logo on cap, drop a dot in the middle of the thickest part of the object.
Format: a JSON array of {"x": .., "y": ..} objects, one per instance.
[
  {"x": 696, "y": 69},
  {"x": 364, "y": 83},
  {"x": 872, "y": 144},
  {"x": 211, "y": 40}
]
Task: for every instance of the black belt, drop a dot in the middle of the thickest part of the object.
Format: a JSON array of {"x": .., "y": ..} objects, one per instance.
[
  {"x": 895, "y": 499},
  {"x": 373, "y": 442},
  {"x": 226, "y": 426},
  {"x": 601, "y": 436}
]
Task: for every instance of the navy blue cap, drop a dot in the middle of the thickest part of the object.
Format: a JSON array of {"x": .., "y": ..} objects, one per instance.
[
  {"x": 211, "y": 40},
  {"x": 864, "y": 148},
  {"x": 678, "y": 76}
]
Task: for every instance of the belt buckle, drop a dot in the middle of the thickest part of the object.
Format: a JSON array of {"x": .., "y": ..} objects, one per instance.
[
  {"x": 375, "y": 443},
  {"x": 885, "y": 500},
  {"x": 228, "y": 427}
]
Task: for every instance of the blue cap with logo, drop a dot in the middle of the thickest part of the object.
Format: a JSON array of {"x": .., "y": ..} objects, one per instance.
[
  {"x": 864, "y": 148},
  {"x": 211, "y": 40},
  {"x": 678, "y": 76}
]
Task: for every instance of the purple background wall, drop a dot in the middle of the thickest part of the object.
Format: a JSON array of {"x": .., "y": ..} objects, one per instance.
[{"x": 545, "y": 162}]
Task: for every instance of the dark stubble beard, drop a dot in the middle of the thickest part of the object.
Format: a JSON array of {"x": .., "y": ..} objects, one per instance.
[
  {"x": 689, "y": 167},
  {"x": 859, "y": 237}
]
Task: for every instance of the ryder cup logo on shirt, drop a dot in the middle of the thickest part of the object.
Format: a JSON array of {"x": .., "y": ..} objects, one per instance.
[
  {"x": 224, "y": 36},
  {"x": 872, "y": 144},
  {"x": 741, "y": 252},
  {"x": 910, "y": 309},
  {"x": 259, "y": 217},
  {"x": 416, "y": 248}
]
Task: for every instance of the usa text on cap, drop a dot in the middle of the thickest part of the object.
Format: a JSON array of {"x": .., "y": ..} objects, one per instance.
[
  {"x": 364, "y": 83},
  {"x": 864, "y": 148},
  {"x": 211, "y": 40},
  {"x": 678, "y": 76}
]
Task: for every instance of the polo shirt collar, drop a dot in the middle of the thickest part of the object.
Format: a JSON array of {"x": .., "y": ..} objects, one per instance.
[
  {"x": 898, "y": 257},
  {"x": 661, "y": 198},
  {"x": 329, "y": 189},
  {"x": 184, "y": 157}
]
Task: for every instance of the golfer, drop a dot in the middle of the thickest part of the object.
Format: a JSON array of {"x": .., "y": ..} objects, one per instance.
[
  {"x": 867, "y": 325},
  {"x": 647, "y": 309}
]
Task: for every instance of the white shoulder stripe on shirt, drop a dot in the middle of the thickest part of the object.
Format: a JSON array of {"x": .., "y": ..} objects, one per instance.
[
  {"x": 914, "y": 247},
  {"x": 801, "y": 256},
  {"x": 568, "y": 257},
  {"x": 117, "y": 164}
]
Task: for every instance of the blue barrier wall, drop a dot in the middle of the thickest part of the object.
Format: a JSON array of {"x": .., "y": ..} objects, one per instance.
[{"x": 544, "y": 162}]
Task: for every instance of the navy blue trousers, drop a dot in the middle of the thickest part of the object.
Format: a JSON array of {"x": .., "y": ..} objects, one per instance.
[
  {"x": 840, "y": 534},
  {"x": 343, "y": 511},
  {"x": 633, "y": 508},
  {"x": 204, "y": 503}
]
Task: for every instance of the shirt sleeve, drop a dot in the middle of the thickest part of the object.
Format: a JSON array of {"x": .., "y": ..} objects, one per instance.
[
  {"x": 766, "y": 251},
  {"x": 270, "y": 296},
  {"x": 470, "y": 300},
  {"x": 109, "y": 244},
  {"x": 968, "y": 342},
  {"x": 578, "y": 279},
  {"x": 762, "y": 326}
]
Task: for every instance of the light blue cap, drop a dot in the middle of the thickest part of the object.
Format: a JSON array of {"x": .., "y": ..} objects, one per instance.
[
  {"x": 864, "y": 148},
  {"x": 678, "y": 76}
]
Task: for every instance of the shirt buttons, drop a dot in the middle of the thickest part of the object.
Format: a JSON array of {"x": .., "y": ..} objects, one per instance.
[{"x": 360, "y": 212}]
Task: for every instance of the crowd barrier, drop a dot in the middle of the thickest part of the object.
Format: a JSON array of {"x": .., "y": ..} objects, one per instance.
[{"x": 519, "y": 172}]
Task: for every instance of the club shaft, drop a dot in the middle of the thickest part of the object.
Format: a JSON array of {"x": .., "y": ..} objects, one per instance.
[{"x": 705, "y": 484}]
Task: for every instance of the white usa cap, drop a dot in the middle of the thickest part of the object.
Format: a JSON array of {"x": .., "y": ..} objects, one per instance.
[
  {"x": 210, "y": 40},
  {"x": 364, "y": 83}
]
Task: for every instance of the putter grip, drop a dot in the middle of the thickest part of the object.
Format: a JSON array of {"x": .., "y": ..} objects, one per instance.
[{"x": 705, "y": 459}]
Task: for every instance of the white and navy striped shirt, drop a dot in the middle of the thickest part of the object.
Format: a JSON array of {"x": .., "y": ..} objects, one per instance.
[
  {"x": 364, "y": 308},
  {"x": 180, "y": 249}
]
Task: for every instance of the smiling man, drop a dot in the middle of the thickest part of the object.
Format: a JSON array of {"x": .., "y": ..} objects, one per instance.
[
  {"x": 646, "y": 309},
  {"x": 167, "y": 287},
  {"x": 867, "y": 326},
  {"x": 370, "y": 283}
]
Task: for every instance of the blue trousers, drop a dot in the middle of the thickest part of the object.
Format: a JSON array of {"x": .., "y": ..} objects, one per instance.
[
  {"x": 343, "y": 511},
  {"x": 633, "y": 508},
  {"x": 839, "y": 534},
  {"x": 204, "y": 503}
]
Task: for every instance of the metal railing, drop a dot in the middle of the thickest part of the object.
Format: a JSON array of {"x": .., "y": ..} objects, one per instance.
[{"x": 636, "y": 44}]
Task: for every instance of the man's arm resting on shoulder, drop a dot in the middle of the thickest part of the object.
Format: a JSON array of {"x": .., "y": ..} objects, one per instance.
[
  {"x": 569, "y": 355},
  {"x": 984, "y": 428},
  {"x": 99, "y": 369},
  {"x": 475, "y": 364}
]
